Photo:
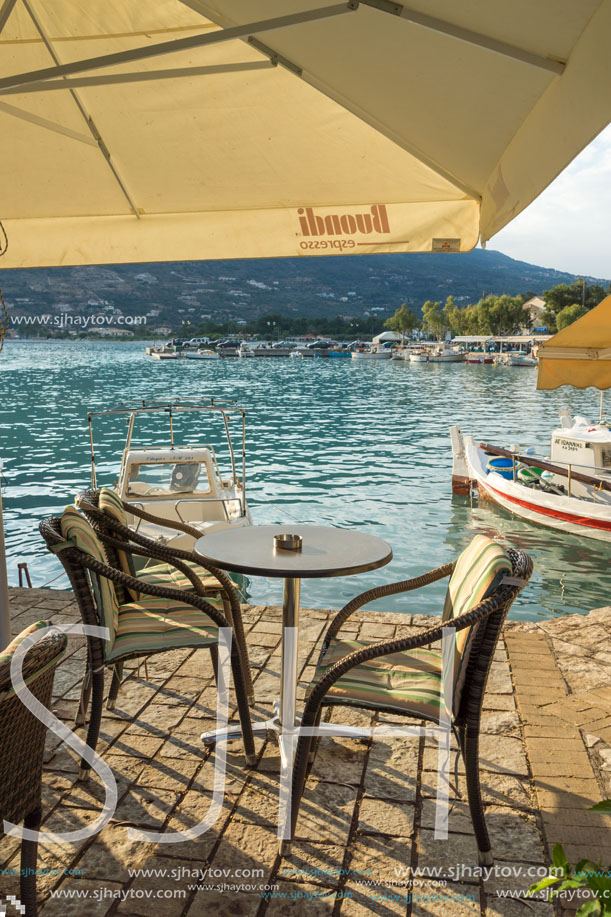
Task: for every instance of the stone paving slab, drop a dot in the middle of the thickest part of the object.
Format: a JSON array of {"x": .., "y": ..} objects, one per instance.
[{"x": 368, "y": 813}]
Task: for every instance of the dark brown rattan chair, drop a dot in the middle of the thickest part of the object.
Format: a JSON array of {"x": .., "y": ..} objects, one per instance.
[
  {"x": 105, "y": 594},
  {"x": 348, "y": 673},
  {"x": 121, "y": 543},
  {"x": 22, "y": 742}
]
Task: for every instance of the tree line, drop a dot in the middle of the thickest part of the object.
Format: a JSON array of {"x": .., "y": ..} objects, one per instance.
[{"x": 498, "y": 315}]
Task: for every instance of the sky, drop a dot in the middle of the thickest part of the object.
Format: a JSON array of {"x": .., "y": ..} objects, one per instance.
[{"x": 568, "y": 227}]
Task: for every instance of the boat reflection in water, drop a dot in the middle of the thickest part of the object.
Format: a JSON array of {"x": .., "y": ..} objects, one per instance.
[{"x": 568, "y": 575}]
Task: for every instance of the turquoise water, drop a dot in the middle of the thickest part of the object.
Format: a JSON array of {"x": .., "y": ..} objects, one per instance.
[{"x": 339, "y": 442}]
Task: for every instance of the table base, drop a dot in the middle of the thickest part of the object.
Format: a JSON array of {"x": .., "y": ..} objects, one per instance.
[{"x": 273, "y": 727}]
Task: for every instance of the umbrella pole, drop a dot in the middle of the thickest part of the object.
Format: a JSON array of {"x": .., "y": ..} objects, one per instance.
[
  {"x": 5, "y": 615},
  {"x": 602, "y": 395}
]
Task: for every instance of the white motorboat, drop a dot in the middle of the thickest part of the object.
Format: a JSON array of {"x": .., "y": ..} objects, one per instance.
[
  {"x": 181, "y": 483},
  {"x": 204, "y": 355},
  {"x": 570, "y": 490},
  {"x": 446, "y": 355},
  {"x": 372, "y": 352},
  {"x": 521, "y": 358},
  {"x": 419, "y": 355}
]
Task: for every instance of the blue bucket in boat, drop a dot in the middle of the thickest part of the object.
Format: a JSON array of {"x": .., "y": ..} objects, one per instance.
[{"x": 502, "y": 466}]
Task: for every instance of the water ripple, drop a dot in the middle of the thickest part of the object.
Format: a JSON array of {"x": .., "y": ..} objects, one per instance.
[{"x": 328, "y": 441}]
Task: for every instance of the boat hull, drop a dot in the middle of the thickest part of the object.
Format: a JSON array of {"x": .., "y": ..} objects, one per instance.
[
  {"x": 447, "y": 358},
  {"x": 568, "y": 514},
  {"x": 377, "y": 355},
  {"x": 479, "y": 359}
]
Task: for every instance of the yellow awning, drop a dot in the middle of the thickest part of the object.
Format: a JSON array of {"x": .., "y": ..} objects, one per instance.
[
  {"x": 151, "y": 130},
  {"x": 579, "y": 355}
]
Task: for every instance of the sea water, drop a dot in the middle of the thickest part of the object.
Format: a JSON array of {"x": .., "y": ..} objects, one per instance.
[{"x": 355, "y": 444}]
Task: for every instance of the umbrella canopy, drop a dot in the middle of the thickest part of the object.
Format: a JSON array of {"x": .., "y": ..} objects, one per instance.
[
  {"x": 579, "y": 355},
  {"x": 192, "y": 129}
]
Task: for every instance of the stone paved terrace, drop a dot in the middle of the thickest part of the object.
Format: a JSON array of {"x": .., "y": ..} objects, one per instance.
[{"x": 545, "y": 757}]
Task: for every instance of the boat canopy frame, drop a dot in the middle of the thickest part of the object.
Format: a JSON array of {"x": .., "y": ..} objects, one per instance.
[{"x": 226, "y": 408}]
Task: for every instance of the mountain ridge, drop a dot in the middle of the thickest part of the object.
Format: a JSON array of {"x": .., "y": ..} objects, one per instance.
[{"x": 173, "y": 292}]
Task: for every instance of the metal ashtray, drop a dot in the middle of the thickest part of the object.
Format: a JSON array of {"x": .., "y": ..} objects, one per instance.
[{"x": 288, "y": 542}]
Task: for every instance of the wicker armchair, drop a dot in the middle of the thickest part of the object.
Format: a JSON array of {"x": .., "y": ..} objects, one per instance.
[
  {"x": 158, "y": 619},
  {"x": 405, "y": 676},
  {"x": 22, "y": 741},
  {"x": 176, "y": 569}
]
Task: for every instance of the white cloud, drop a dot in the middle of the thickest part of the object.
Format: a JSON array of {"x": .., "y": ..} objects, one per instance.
[{"x": 568, "y": 227}]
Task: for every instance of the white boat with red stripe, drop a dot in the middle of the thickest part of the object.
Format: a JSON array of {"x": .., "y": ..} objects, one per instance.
[{"x": 570, "y": 490}]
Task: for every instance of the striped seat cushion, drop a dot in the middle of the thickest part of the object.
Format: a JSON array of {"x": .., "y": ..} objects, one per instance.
[
  {"x": 167, "y": 575},
  {"x": 477, "y": 573},
  {"x": 408, "y": 682},
  {"x": 160, "y": 624},
  {"x": 77, "y": 529}
]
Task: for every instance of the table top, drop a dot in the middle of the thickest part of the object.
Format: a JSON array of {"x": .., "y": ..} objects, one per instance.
[{"x": 325, "y": 551}]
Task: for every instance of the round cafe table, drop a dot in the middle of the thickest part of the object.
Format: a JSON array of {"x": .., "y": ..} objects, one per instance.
[{"x": 324, "y": 551}]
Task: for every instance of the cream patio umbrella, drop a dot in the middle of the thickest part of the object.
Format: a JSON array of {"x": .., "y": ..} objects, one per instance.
[
  {"x": 193, "y": 129},
  {"x": 580, "y": 354}
]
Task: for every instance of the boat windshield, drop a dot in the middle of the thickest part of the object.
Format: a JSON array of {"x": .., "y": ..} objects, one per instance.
[{"x": 168, "y": 478}]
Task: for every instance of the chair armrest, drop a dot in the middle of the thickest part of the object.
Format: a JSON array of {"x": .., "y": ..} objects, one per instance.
[
  {"x": 164, "y": 592},
  {"x": 154, "y": 554},
  {"x": 380, "y": 592}
]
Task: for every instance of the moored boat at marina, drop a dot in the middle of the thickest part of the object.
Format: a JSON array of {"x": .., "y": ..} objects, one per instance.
[
  {"x": 520, "y": 359},
  {"x": 202, "y": 355},
  {"x": 480, "y": 357},
  {"x": 182, "y": 484},
  {"x": 570, "y": 490},
  {"x": 372, "y": 352},
  {"x": 443, "y": 354}
]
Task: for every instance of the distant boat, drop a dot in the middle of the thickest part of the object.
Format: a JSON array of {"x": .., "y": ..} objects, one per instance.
[
  {"x": 203, "y": 355},
  {"x": 520, "y": 359},
  {"x": 372, "y": 352},
  {"x": 446, "y": 355},
  {"x": 481, "y": 357}
]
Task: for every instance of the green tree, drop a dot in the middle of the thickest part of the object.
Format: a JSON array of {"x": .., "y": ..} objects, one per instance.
[
  {"x": 500, "y": 314},
  {"x": 451, "y": 314},
  {"x": 403, "y": 321},
  {"x": 563, "y": 294},
  {"x": 568, "y": 315},
  {"x": 433, "y": 318}
]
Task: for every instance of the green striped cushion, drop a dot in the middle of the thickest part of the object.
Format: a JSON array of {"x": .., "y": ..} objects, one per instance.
[
  {"x": 111, "y": 504},
  {"x": 168, "y": 575},
  {"x": 160, "y": 624},
  {"x": 477, "y": 573},
  {"x": 408, "y": 682},
  {"x": 77, "y": 529},
  {"x": 7, "y": 654}
]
